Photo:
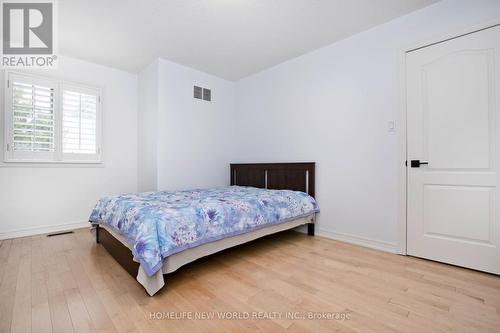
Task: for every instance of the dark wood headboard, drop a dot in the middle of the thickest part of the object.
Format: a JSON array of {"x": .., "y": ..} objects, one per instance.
[{"x": 275, "y": 176}]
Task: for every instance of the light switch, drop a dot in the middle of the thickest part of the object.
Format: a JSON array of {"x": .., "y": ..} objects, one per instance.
[{"x": 391, "y": 126}]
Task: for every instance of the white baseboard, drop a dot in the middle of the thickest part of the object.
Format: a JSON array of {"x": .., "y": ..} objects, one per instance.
[
  {"x": 43, "y": 230},
  {"x": 358, "y": 240}
]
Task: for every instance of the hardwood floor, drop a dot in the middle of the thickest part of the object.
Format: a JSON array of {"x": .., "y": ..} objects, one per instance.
[{"x": 68, "y": 283}]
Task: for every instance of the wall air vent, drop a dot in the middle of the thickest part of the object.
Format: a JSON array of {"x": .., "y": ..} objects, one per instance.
[
  {"x": 202, "y": 93},
  {"x": 207, "y": 94},
  {"x": 197, "y": 92}
]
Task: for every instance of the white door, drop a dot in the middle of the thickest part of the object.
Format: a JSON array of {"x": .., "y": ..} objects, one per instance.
[{"x": 453, "y": 123}]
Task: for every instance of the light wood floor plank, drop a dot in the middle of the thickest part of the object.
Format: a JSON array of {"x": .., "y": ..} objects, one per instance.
[
  {"x": 59, "y": 312},
  {"x": 21, "y": 318},
  {"x": 4, "y": 256},
  {"x": 40, "y": 309},
  {"x": 8, "y": 285}
]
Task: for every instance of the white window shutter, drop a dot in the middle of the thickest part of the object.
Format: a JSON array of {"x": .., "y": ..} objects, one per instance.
[
  {"x": 31, "y": 120},
  {"x": 33, "y": 117},
  {"x": 80, "y": 123}
]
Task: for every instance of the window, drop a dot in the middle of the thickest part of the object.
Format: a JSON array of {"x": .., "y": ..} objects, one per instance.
[{"x": 51, "y": 121}]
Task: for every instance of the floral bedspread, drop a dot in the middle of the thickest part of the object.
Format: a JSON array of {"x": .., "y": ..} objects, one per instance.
[{"x": 159, "y": 224}]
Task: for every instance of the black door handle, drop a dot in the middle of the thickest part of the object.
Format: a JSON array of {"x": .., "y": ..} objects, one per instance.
[{"x": 417, "y": 163}]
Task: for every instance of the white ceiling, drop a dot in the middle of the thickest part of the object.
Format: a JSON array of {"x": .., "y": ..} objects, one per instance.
[{"x": 227, "y": 38}]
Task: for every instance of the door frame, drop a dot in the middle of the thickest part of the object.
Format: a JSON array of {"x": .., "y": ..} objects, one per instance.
[{"x": 402, "y": 133}]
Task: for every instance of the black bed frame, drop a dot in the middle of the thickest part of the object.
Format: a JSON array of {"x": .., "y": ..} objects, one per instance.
[{"x": 275, "y": 176}]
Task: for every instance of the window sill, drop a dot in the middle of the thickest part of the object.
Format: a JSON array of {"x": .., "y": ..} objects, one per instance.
[{"x": 51, "y": 164}]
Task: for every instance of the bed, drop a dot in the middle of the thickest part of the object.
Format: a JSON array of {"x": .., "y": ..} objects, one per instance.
[{"x": 154, "y": 233}]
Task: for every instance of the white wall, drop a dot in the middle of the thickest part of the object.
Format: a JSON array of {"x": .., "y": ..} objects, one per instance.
[
  {"x": 195, "y": 137},
  {"x": 54, "y": 197},
  {"x": 332, "y": 106},
  {"x": 147, "y": 120}
]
